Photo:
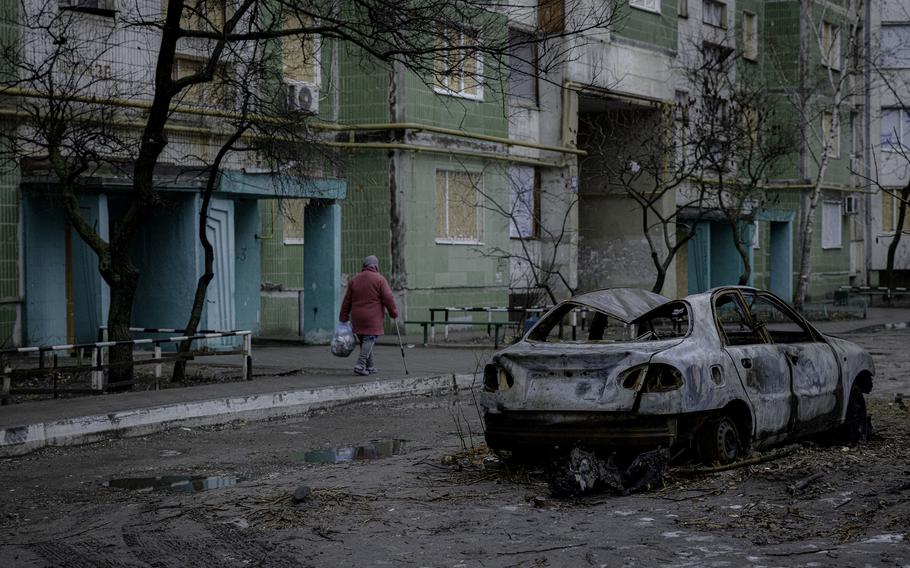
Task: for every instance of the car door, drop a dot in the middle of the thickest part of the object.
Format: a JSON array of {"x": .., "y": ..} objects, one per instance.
[
  {"x": 763, "y": 372},
  {"x": 813, "y": 363}
]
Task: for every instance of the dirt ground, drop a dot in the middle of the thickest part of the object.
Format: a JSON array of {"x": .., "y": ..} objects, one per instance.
[{"x": 423, "y": 507}]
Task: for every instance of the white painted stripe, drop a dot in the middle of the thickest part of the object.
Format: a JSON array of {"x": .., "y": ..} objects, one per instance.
[{"x": 60, "y": 347}]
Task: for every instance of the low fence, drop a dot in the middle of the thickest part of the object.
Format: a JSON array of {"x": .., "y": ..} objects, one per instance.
[{"x": 76, "y": 356}]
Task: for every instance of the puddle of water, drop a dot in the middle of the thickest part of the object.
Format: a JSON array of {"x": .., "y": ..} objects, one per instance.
[
  {"x": 184, "y": 483},
  {"x": 373, "y": 450}
]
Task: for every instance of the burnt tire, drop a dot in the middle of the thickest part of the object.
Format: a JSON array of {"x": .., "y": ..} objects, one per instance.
[
  {"x": 719, "y": 441},
  {"x": 856, "y": 422}
]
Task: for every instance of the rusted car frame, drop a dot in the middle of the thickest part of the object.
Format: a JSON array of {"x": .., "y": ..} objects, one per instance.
[{"x": 718, "y": 372}]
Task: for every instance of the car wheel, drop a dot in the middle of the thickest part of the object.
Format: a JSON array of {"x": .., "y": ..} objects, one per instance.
[
  {"x": 719, "y": 441},
  {"x": 856, "y": 422}
]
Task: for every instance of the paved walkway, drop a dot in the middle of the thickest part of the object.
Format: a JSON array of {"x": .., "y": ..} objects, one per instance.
[{"x": 289, "y": 378}]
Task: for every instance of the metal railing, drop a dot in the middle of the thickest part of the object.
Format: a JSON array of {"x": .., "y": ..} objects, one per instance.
[{"x": 49, "y": 361}]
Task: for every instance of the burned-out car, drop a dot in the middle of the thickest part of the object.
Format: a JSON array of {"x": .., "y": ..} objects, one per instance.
[{"x": 716, "y": 372}]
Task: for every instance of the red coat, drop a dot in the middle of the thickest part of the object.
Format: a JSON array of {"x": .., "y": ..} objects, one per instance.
[{"x": 367, "y": 293}]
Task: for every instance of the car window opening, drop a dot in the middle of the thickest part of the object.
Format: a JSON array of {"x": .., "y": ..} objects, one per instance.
[{"x": 577, "y": 323}]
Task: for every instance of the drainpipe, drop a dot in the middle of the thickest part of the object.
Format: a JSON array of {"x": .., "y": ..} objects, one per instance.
[{"x": 867, "y": 150}]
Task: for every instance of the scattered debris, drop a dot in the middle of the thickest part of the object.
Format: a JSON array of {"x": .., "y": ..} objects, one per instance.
[
  {"x": 585, "y": 472},
  {"x": 804, "y": 482},
  {"x": 302, "y": 493}
]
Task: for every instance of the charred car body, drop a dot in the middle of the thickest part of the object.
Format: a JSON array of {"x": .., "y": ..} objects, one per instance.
[{"x": 718, "y": 372}]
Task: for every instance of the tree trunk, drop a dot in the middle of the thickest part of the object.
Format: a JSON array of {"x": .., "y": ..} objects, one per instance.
[
  {"x": 898, "y": 232},
  {"x": 123, "y": 281},
  {"x": 743, "y": 255},
  {"x": 208, "y": 274}
]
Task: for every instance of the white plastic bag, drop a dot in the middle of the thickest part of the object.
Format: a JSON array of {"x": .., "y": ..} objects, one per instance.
[{"x": 343, "y": 341}]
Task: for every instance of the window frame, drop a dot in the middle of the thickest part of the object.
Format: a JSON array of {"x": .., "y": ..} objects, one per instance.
[
  {"x": 285, "y": 218},
  {"x": 832, "y": 211},
  {"x": 317, "y": 57},
  {"x": 826, "y": 49},
  {"x": 205, "y": 90},
  {"x": 723, "y": 13},
  {"x": 652, "y": 6},
  {"x": 902, "y": 143},
  {"x": 445, "y": 89},
  {"x": 107, "y": 9},
  {"x": 906, "y": 47},
  {"x": 515, "y": 231},
  {"x": 533, "y": 79},
  {"x": 747, "y": 44},
  {"x": 835, "y": 150},
  {"x": 478, "y": 206}
]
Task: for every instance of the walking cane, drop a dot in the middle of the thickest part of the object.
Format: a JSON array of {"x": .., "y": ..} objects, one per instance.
[{"x": 400, "y": 346}]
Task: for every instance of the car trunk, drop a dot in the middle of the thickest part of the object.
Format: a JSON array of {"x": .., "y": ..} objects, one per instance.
[{"x": 569, "y": 377}]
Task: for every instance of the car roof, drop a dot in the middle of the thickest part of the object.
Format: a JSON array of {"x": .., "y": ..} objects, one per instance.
[{"x": 624, "y": 304}]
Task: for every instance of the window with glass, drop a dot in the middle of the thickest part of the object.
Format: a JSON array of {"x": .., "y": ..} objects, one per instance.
[
  {"x": 829, "y": 43},
  {"x": 649, "y": 5},
  {"x": 458, "y": 206},
  {"x": 895, "y": 130},
  {"x": 750, "y": 36},
  {"x": 299, "y": 52},
  {"x": 714, "y": 13},
  {"x": 895, "y": 46},
  {"x": 831, "y": 134},
  {"x": 891, "y": 212},
  {"x": 522, "y": 67},
  {"x": 523, "y": 202},
  {"x": 458, "y": 64},
  {"x": 216, "y": 93},
  {"x": 292, "y": 213}
]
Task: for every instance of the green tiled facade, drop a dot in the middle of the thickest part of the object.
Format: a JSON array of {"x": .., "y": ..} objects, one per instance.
[
  {"x": 9, "y": 216},
  {"x": 659, "y": 30},
  {"x": 9, "y": 250}
]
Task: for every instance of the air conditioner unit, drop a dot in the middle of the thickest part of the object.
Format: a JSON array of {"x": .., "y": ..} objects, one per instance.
[
  {"x": 302, "y": 97},
  {"x": 851, "y": 205}
]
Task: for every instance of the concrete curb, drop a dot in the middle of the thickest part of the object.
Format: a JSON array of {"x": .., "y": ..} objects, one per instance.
[{"x": 19, "y": 440}]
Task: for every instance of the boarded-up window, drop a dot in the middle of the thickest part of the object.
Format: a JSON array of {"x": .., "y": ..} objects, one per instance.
[
  {"x": 458, "y": 199},
  {"x": 551, "y": 16},
  {"x": 458, "y": 66},
  {"x": 523, "y": 199},
  {"x": 300, "y": 52},
  {"x": 831, "y": 224},
  {"x": 292, "y": 213}
]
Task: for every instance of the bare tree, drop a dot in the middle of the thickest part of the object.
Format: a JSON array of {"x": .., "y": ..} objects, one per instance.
[
  {"x": 707, "y": 156},
  {"x": 890, "y": 76},
  {"x": 81, "y": 109},
  {"x": 820, "y": 101}
]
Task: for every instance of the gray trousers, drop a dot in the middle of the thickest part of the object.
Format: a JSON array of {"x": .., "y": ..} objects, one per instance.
[{"x": 367, "y": 345}]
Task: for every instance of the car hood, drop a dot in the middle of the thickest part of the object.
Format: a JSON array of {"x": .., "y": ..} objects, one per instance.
[{"x": 625, "y": 304}]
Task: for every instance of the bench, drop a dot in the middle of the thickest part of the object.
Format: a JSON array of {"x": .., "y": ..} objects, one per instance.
[
  {"x": 428, "y": 325},
  {"x": 842, "y": 295}
]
